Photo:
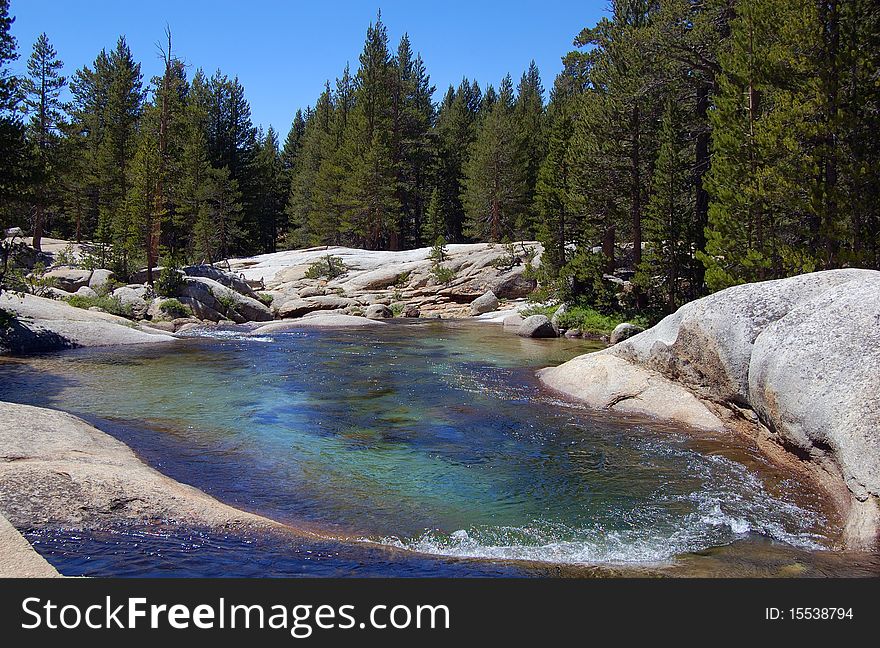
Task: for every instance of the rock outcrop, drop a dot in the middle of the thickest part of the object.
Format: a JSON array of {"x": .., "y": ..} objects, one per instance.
[
  {"x": 213, "y": 301},
  {"x": 18, "y": 558},
  {"x": 57, "y": 470},
  {"x": 371, "y": 277},
  {"x": 795, "y": 360},
  {"x": 42, "y": 324}
]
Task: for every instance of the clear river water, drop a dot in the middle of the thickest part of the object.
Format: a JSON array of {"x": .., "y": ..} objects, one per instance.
[{"x": 429, "y": 448}]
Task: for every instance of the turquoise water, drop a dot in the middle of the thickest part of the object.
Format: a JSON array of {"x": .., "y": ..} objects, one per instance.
[{"x": 431, "y": 436}]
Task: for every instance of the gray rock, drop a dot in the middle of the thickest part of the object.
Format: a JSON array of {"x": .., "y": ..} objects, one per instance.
[
  {"x": 707, "y": 344},
  {"x": 69, "y": 279},
  {"x": 537, "y": 326},
  {"x": 99, "y": 278},
  {"x": 51, "y": 325},
  {"x": 802, "y": 353},
  {"x": 411, "y": 310},
  {"x": 294, "y": 308},
  {"x": 814, "y": 378},
  {"x": 512, "y": 321},
  {"x": 562, "y": 310},
  {"x": 140, "y": 276},
  {"x": 217, "y": 298},
  {"x": 136, "y": 298},
  {"x": 624, "y": 331},
  {"x": 378, "y": 311},
  {"x": 514, "y": 285},
  {"x": 486, "y": 303},
  {"x": 85, "y": 291},
  {"x": 311, "y": 291},
  {"x": 573, "y": 333},
  {"x": 228, "y": 279},
  {"x": 201, "y": 310}
]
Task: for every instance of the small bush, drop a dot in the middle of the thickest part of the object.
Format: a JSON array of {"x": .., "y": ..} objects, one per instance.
[
  {"x": 169, "y": 282},
  {"x": 442, "y": 274},
  {"x": 328, "y": 267},
  {"x": 106, "y": 303},
  {"x": 6, "y": 319},
  {"x": 266, "y": 299},
  {"x": 438, "y": 251},
  {"x": 397, "y": 309},
  {"x": 227, "y": 302},
  {"x": 175, "y": 309}
]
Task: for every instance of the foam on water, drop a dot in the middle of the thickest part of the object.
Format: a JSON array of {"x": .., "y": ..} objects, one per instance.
[{"x": 733, "y": 505}]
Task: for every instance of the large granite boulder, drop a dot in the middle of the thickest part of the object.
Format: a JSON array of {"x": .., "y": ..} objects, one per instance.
[
  {"x": 814, "y": 377},
  {"x": 707, "y": 344},
  {"x": 100, "y": 278},
  {"x": 378, "y": 311},
  {"x": 135, "y": 299},
  {"x": 802, "y": 353},
  {"x": 42, "y": 324},
  {"x": 218, "y": 302},
  {"x": 537, "y": 326},
  {"x": 228, "y": 279},
  {"x": 69, "y": 279},
  {"x": 485, "y": 303}
]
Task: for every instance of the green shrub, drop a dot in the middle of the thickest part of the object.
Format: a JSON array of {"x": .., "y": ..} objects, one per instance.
[
  {"x": 37, "y": 283},
  {"x": 227, "y": 302},
  {"x": 6, "y": 319},
  {"x": 266, "y": 299},
  {"x": 169, "y": 282},
  {"x": 438, "y": 251},
  {"x": 328, "y": 267},
  {"x": 175, "y": 309},
  {"x": 442, "y": 274},
  {"x": 106, "y": 303},
  {"x": 397, "y": 309},
  {"x": 586, "y": 318}
]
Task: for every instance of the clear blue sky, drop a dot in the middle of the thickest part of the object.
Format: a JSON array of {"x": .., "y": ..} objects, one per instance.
[{"x": 283, "y": 51}]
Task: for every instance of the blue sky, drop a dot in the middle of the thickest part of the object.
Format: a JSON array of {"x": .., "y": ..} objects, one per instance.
[{"x": 283, "y": 51}]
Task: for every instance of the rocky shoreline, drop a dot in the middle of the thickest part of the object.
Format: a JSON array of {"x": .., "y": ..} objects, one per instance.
[{"x": 792, "y": 363}]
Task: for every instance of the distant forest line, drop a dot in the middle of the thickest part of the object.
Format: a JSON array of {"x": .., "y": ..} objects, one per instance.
[{"x": 687, "y": 145}]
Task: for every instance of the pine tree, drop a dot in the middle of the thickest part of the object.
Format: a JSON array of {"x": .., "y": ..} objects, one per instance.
[
  {"x": 529, "y": 120},
  {"x": 14, "y": 159},
  {"x": 765, "y": 116},
  {"x": 371, "y": 186},
  {"x": 669, "y": 266},
  {"x": 293, "y": 142},
  {"x": 43, "y": 87},
  {"x": 496, "y": 180},
  {"x": 557, "y": 224},
  {"x": 413, "y": 114},
  {"x": 120, "y": 77},
  {"x": 454, "y": 133},
  {"x": 271, "y": 194}
]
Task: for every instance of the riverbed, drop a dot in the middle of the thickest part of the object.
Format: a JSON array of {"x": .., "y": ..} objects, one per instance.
[{"x": 424, "y": 448}]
